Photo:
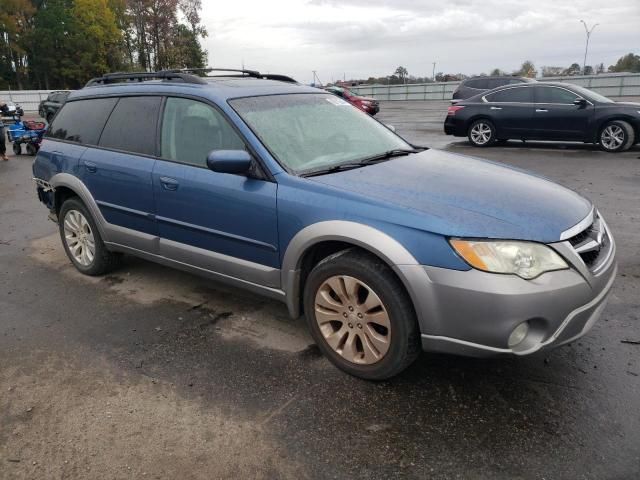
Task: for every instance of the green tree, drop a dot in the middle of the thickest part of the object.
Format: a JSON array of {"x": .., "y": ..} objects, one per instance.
[
  {"x": 573, "y": 69},
  {"x": 16, "y": 17},
  {"x": 628, "y": 63},
  {"x": 527, "y": 69},
  {"x": 402, "y": 73}
]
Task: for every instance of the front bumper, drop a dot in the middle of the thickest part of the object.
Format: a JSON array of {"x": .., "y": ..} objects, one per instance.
[{"x": 473, "y": 312}]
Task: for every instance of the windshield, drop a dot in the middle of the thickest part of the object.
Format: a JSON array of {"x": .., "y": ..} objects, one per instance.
[
  {"x": 307, "y": 132},
  {"x": 591, "y": 95}
]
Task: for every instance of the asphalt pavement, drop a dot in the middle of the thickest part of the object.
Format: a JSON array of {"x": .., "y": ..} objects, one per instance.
[{"x": 153, "y": 373}]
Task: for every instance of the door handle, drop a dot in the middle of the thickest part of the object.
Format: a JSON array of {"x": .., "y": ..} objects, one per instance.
[
  {"x": 496, "y": 108},
  {"x": 541, "y": 110},
  {"x": 90, "y": 166},
  {"x": 169, "y": 183}
]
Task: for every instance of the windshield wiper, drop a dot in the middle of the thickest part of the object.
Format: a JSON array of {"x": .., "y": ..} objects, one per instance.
[{"x": 398, "y": 152}]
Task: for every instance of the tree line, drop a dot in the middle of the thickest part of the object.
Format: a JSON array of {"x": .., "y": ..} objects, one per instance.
[
  {"x": 626, "y": 63},
  {"x": 55, "y": 44}
]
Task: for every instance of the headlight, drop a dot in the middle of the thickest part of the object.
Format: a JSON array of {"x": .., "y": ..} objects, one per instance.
[{"x": 525, "y": 259}]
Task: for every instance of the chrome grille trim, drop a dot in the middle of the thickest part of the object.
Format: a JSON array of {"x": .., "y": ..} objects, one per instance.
[{"x": 579, "y": 227}]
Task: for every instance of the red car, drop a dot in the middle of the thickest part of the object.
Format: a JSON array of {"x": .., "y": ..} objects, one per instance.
[{"x": 366, "y": 104}]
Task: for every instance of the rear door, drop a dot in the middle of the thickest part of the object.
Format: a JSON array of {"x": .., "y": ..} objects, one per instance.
[
  {"x": 118, "y": 170},
  {"x": 556, "y": 117},
  {"x": 511, "y": 110}
]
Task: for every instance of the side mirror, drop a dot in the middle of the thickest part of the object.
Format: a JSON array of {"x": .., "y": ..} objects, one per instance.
[
  {"x": 229, "y": 161},
  {"x": 580, "y": 102},
  {"x": 390, "y": 127}
]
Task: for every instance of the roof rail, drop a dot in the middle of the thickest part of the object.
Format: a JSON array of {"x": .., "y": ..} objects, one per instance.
[
  {"x": 243, "y": 72},
  {"x": 167, "y": 75}
]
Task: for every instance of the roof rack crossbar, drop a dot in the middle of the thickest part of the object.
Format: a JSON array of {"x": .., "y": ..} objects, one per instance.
[
  {"x": 244, "y": 72},
  {"x": 168, "y": 75}
]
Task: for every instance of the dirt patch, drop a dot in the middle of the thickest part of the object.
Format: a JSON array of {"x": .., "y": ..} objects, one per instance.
[{"x": 88, "y": 422}]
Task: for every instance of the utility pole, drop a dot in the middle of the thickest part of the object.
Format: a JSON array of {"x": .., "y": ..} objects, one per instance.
[
  {"x": 433, "y": 73},
  {"x": 586, "y": 48}
]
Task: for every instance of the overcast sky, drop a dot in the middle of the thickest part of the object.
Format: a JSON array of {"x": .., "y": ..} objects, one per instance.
[{"x": 362, "y": 38}]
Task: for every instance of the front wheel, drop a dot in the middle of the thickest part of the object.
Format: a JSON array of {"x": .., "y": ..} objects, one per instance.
[
  {"x": 360, "y": 315},
  {"x": 481, "y": 133},
  {"x": 616, "y": 136},
  {"x": 82, "y": 241}
]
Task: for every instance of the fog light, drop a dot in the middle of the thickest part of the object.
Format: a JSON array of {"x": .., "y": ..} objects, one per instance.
[{"x": 518, "y": 335}]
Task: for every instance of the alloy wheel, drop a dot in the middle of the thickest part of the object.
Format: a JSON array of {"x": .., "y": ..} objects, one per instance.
[
  {"x": 481, "y": 133},
  {"x": 79, "y": 238},
  {"x": 612, "y": 137},
  {"x": 353, "y": 320}
]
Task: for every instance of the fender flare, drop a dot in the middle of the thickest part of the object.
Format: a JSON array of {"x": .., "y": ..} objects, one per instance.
[
  {"x": 74, "y": 183},
  {"x": 364, "y": 236}
]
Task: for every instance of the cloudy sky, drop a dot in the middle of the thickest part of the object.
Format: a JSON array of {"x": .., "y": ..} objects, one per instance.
[{"x": 362, "y": 38}]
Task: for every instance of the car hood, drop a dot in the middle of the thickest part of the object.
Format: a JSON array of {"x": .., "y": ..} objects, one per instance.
[{"x": 457, "y": 195}]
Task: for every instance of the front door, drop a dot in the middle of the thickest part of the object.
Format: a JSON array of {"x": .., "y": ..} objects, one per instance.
[
  {"x": 222, "y": 222},
  {"x": 556, "y": 117}
]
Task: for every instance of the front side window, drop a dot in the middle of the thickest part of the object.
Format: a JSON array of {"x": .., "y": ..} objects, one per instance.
[
  {"x": 132, "y": 125},
  {"x": 82, "y": 121},
  {"x": 192, "y": 129},
  {"x": 516, "y": 95},
  {"x": 305, "y": 132},
  {"x": 554, "y": 95}
]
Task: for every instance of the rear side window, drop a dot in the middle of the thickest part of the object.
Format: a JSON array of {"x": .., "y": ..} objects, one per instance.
[
  {"x": 132, "y": 125},
  {"x": 82, "y": 121},
  {"x": 479, "y": 83},
  {"x": 517, "y": 94},
  {"x": 554, "y": 95}
]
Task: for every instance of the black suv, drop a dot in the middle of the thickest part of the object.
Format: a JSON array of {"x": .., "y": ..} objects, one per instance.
[
  {"x": 475, "y": 85},
  {"x": 49, "y": 107}
]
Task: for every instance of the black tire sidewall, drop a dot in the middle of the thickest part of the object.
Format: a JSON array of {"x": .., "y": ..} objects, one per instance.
[
  {"x": 96, "y": 267},
  {"x": 381, "y": 279},
  {"x": 487, "y": 122}
]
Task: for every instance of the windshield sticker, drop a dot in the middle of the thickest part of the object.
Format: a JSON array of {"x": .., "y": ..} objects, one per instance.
[{"x": 337, "y": 101}]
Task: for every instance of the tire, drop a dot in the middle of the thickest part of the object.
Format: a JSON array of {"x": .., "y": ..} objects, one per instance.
[
  {"x": 368, "y": 350},
  {"x": 481, "y": 133},
  {"x": 31, "y": 149},
  {"x": 616, "y": 136},
  {"x": 17, "y": 148},
  {"x": 75, "y": 219}
]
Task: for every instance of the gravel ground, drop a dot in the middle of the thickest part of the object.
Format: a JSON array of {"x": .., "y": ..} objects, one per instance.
[{"x": 153, "y": 373}]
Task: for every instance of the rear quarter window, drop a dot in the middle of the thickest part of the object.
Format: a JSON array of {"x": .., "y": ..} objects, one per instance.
[{"x": 81, "y": 121}]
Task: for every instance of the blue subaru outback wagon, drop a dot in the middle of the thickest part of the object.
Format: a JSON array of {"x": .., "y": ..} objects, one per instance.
[{"x": 291, "y": 192}]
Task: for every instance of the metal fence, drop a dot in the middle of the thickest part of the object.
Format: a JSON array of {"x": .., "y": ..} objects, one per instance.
[
  {"x": 27, "y": 99},
  {"x": 609, "y": 85}
]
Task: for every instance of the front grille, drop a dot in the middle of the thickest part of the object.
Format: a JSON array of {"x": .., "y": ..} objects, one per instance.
[{"x": 592, "y": 244}]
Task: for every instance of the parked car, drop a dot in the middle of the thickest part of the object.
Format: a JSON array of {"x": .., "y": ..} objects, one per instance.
[
  {"x": 471, "y": 87},
  {"x": 545, "y": 111},
  {"x": 50, "y": 106},
  {"x": 290, "y": 192},
  {"x": 366, "y": 104}
]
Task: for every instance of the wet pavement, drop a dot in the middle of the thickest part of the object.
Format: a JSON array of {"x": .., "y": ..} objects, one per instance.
[{"x": 153, "y": 373}]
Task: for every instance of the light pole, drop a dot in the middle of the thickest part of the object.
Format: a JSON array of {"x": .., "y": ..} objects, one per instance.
[
  {"x": 586, "y": 48},
  {"x": 433, "y": 72}
]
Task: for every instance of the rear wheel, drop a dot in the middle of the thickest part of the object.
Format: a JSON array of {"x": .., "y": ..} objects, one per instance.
[
  {"x": 360, "y": 315},
  {"x": 482, "y": 133},
  {"x": 616, "y": 136},
  {"x": 31, "y": 149},
  {"x": 17, "y": 148},
  {"x": 82, "y": 241}
]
